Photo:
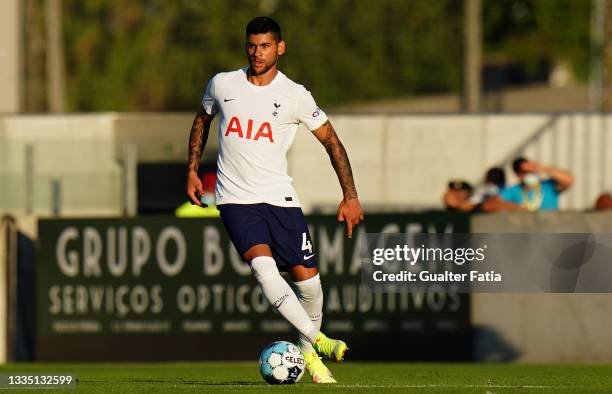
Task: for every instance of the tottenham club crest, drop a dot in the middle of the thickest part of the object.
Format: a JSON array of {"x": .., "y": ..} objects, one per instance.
[{"x": 276, "y": 107}]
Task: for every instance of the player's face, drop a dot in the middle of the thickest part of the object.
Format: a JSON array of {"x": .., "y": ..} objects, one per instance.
[{"x": 263, "y": 52}]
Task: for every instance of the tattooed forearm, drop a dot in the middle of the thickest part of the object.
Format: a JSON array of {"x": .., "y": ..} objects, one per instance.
[
  {"x": 340, "y": 160},
  {"x": 197, "y": 139}
]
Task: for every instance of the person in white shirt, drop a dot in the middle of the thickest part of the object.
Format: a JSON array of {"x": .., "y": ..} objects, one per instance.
[{"x": 260, "y": 110}]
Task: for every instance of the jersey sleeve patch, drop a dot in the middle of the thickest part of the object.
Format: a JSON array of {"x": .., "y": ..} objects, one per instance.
[{"x": 308, "y": 112}]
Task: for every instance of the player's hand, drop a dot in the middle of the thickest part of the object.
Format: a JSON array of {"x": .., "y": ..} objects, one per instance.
[
  {"x": 350, "y": 212},
  {"x": 194, "y": 188}
]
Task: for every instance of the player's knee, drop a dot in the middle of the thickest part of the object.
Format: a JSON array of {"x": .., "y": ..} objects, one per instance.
[
  {"x": 264, "y": 268},
  {"x": 310, "y": 290}
]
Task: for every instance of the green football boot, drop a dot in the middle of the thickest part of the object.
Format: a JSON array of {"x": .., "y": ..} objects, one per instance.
[
  {"x": 332, "y": 349},
  {"x": 317, "y": 370}
]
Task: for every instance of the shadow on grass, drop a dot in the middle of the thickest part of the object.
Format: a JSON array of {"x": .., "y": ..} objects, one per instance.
[
  {"x": 227, "y": 383},
  {"x": 201, "y": 382}
]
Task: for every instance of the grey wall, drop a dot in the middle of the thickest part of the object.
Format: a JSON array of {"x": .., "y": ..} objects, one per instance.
[
  {"x": 399, "y": 161},
  {"x": 405, "y": 160},
  {"x": 543, "y": 327},
  {"x": 77, "y": 151}
]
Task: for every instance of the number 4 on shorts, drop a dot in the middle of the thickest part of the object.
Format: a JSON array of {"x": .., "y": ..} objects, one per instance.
[{"x": 306, "y": 245}]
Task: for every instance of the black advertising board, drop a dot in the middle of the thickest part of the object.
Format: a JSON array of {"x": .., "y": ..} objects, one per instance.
[{"x": 161, "y": 288}]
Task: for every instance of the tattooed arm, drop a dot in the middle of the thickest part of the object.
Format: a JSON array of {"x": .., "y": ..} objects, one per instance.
[
  {"x": 197, "y": 142},
  {"x": 349, "y": 210}
]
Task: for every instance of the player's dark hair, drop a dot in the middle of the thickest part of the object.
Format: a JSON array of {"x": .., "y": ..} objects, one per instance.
[
  {"x": 263, "y": 25},
  {"x": 517, "y": 163},
  {"x": 496, "y": 176}
]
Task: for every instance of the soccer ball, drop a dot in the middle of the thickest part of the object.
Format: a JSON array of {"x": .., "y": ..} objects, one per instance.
[{"x": 281, "y": 363}]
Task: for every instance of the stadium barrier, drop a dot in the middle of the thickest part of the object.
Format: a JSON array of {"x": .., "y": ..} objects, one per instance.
[
  {"x": 5, "y": 255},
  {"x": 218, "y": 306},
  {"x": 17, "y": 290},
  {"x": 161, "y": 288}
]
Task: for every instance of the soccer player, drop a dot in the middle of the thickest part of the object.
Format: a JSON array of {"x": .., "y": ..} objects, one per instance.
[{"x": 260, "y": 111}]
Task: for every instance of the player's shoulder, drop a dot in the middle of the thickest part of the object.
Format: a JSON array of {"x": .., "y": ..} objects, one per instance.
[
  {"x": 291, "y": 84},
  {"x": 291, "y": 87},
  {"x": 225, "y": 77}
]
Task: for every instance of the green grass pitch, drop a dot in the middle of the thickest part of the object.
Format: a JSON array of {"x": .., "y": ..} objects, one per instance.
[{"x": 362, "y": 377}]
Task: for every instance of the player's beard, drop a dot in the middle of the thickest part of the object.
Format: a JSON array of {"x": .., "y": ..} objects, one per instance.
[{"x": 265, "y": 69}]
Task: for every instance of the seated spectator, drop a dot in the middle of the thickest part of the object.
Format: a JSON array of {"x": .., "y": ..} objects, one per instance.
[
  {"x": 457, "y": 196},
  {"x": 494, "y": 183},
  {"x": 489, "y": 199},
  {"x": 539, "y": 185}
]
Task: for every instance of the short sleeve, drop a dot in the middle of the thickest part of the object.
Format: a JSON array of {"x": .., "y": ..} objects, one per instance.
[
  {"x": 209, "y": 101},
  {"x": 308, "y": 112},
  {"x": 550, "y": 183}
]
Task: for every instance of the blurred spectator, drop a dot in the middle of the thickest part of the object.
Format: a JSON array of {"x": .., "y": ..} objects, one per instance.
[
  {"x": 539, "y": 185},
  {"x": 189, "y": 210},
  {"x": 457, "y": 196},
  {"x": 494, "y": 183},
  {"x": 489, "y": 199},
  {"x": 604, "y": 201}
]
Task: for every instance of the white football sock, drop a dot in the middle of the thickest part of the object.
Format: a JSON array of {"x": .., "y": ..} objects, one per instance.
[
  {"x": 280, "y": 295},
  {"x": 310, "y": 294}
]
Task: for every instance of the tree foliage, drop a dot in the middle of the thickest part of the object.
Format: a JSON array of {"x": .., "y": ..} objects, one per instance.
[
  {"x": 533, "y": 32},
  {"x": 159, "y": 54}
]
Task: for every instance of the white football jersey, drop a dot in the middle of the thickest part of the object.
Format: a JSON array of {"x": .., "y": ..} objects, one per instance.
[{"x": 257, "y": 127}]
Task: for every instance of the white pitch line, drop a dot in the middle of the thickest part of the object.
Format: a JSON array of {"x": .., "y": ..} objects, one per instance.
[
  {"x": 414, "y": 386},
  {"x": 459, "y": 386}
]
